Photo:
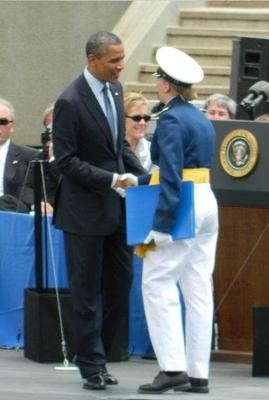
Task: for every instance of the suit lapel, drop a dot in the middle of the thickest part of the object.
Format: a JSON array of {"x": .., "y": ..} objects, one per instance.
[
  {"x": 95, "y": 109},
  {"x": 117, "y": 96}
]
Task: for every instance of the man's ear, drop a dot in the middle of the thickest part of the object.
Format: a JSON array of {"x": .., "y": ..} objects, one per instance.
[
  {"x": 12, "y": 130},
  {"x": 91, "y": 58}
]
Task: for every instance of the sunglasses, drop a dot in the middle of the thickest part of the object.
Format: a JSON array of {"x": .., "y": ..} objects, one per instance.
[
  {"x": 137, "y": 118},
  {"x": 5, "y": 121}
]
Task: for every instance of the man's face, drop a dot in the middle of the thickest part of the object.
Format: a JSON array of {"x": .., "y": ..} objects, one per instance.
[
  {"x": 107, "y": 68},
  {"x": 8, "y": 129}
]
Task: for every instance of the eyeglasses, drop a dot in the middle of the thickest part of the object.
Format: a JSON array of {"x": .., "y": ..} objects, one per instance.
[
  {"x": 5, "y": 121},
  {"x": 137, "y": 118}
]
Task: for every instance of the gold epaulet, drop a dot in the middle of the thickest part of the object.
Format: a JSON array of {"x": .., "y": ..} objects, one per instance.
[{"x": 155, "y": 116}]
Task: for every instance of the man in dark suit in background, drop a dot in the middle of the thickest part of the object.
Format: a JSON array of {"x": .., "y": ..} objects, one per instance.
[
  {"x": 16, "y": 186},
  {"x": 96, "y": 164}
]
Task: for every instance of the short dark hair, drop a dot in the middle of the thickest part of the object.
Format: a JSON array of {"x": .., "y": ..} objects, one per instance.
[{"x": 98, "y": 42}]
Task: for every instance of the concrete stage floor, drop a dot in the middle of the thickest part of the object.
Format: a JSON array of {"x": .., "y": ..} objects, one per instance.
[{"x": 24, "y": 379}]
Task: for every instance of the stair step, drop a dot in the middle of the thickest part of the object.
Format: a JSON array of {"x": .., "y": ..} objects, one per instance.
[
  {"x": 199, "y": 51},
  {"x": 238, "y": 3},
  {"x": 213, "y": 70},
  {"x": 174, "y": 30},
  {"x": 225, "y": 17},
  {"x": 219, "y": 56},
  {"x": 225, "y": 13},
  {"x": 177, "y": 36}
]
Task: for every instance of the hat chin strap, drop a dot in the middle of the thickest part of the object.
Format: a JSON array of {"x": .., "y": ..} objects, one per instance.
[{"x": 160, "y": 72}]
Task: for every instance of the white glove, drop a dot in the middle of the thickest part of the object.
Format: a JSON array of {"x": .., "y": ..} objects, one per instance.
[
  {"x": 129, "y": 176},
  {"x": 120, "y": 191},
  {"x": 159, "y": 238}
]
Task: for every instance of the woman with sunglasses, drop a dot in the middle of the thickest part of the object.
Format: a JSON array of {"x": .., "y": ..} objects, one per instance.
[{"x": 137, "y": 117}]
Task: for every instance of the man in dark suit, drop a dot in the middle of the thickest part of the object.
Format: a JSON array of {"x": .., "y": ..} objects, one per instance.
[
  {"x": 96, "y": 164},
  {"x": 16, "y": 188}
]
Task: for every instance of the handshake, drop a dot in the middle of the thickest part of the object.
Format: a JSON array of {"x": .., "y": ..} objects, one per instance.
[{"x": 124, "y": 181}]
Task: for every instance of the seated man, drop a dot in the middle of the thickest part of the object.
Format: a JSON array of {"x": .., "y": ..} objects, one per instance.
[{"x": 16, "y": 186}]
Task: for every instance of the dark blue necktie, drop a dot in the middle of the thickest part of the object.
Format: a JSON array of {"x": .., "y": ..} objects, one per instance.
[{"x": 110, "y": 115}]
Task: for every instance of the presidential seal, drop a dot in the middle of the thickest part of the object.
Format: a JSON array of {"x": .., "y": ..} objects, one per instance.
[{"x": 239, "y": 153}]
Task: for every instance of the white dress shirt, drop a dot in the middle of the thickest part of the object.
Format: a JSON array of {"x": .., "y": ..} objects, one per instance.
[{"x": 3, "y": 156}]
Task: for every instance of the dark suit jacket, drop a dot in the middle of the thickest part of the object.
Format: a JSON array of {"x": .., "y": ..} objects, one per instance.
[
  {"x": 16, "y": 183},
  {"x": 84, "y": 152}
]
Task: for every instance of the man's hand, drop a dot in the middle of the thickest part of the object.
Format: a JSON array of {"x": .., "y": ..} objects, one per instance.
[
  {"x": 159, "y": 238},
  {"x": 120, "y": 191},
  {"x": 46, "y": 208},
  {"x": 126, "y": 180}
]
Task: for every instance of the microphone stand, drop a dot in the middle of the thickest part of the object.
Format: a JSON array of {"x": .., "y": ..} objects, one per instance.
[{"x": 38, "y": 226}]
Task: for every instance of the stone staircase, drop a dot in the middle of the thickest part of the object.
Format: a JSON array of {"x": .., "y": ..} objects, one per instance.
[{"x": 207, "y": 33}]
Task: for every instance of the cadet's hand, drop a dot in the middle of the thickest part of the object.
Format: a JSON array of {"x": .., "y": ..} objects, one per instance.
[
  {"x": 159, "y": 238},
  {"x": 126, "y": 180}
]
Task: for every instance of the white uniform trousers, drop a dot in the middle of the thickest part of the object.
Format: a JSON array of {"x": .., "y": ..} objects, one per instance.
[{"x": 189, "y": 263}]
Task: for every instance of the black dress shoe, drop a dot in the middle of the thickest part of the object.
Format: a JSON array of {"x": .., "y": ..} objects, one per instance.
[
  {"x": 196, "y": 385},
  {"x": 164, "y": 382},
  {"x": 95, "y": 381},
  {"x": 108, "y": 378}
]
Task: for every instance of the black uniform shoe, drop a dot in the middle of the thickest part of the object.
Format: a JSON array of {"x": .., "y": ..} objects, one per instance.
[
  {"x": 199, "y": 385},
  {"x": 164, "y": 382},
  {"x": 109, "y": 379},
  {"x": 196, "y": 385},
  {"x": 95, "y": 381}
]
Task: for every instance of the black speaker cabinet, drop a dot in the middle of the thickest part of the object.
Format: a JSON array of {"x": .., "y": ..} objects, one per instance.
[
  {"x": 250, "y": 64},
  {"x": 260, "y": 365},
  {"x": 42, "y": 334}
]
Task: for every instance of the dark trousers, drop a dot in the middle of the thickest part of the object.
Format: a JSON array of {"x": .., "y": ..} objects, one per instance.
[{"x": 100, "y": 277}]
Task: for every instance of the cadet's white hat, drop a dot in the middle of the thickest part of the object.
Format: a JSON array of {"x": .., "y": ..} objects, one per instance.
[{"x": 177, "y": 67}]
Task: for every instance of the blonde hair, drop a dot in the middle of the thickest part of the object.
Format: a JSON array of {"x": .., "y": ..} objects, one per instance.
[
  {"x": 132, "y": 99},
  {"x": 187, "y": 92}
]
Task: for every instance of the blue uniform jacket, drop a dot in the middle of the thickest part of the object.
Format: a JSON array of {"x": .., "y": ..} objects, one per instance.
[{"x": 184, "y": 138}]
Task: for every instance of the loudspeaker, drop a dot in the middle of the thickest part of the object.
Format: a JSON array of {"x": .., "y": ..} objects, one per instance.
[
  {"x": 250, "y": 64},
  {"x": 42, "y": 334},
  {"x": 260, "y": 364}
]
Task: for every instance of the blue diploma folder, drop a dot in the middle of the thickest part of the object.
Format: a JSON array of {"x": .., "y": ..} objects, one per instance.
[{"x": 141, "y": 202}]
